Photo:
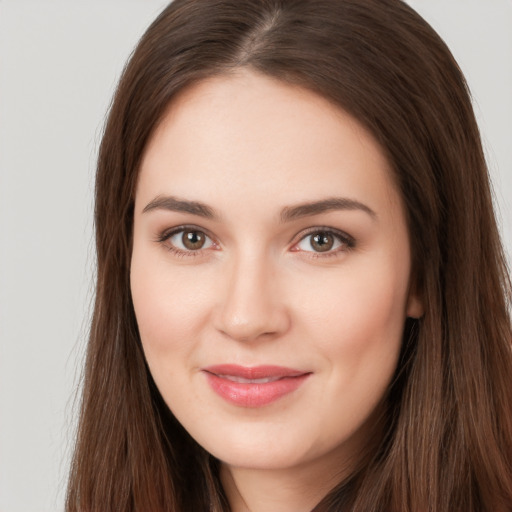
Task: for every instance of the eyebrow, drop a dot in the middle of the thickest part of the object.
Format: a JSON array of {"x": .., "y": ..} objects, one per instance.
[
  {"x": 174, "y": 204},
  {"x": 288, "y": 213},
  {"x": 316, "y": 207}
]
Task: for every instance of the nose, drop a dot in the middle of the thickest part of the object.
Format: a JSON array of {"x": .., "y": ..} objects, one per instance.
[{"x": 251, "y": 304}]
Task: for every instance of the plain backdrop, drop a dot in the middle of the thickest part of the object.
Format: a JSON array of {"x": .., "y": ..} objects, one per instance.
[{"x": 59, "y": 62}]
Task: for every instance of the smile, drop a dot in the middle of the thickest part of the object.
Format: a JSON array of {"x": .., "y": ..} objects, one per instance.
[
  {"x": 253, "y": 386},
  {"x": 249, "y": 381}
]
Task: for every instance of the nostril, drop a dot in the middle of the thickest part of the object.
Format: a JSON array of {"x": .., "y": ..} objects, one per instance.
[{"x": 253, "y": 324}]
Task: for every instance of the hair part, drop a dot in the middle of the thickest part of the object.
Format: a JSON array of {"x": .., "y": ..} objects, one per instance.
[{"x": 447, "y": 441}]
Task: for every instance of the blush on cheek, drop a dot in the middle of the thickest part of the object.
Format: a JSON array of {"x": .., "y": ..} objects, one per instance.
[
  {"x": 162, "y": 330},
  {"x": 169, "y": 323},
  {"x": 364, "y": 340}
]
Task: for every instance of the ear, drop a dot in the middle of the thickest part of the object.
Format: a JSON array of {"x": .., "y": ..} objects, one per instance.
[{"x": 415, "y": 308}]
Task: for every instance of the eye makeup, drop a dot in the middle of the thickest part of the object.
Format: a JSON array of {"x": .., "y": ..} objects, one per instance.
[{"x": 315, "y": 242}]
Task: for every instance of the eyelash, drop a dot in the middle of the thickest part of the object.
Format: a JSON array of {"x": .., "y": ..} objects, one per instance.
[
  {"x": 165, "y": 236},
  {"x": 347, "y": 242}
]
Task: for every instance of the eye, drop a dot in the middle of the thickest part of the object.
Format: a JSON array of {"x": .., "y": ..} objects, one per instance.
[
  {"x": 187, "y": 240},
  {"x": 325, "y": 241}
]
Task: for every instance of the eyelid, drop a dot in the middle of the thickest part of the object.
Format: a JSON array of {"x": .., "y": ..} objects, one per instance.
[
  {"x": 167, "y": 234},
  {"x": 347, "y": 240}
]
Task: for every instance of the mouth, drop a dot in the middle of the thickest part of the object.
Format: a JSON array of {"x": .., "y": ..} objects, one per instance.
[{"x": 254, "y": 386}]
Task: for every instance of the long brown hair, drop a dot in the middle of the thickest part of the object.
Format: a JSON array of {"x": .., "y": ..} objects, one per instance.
[{"x": 447, "y": 441}]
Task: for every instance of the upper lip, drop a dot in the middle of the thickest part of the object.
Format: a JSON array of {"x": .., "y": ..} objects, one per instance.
[{"x": 253, "y": 372}]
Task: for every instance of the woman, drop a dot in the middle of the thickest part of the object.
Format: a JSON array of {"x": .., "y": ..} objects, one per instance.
[{"x": 302, "y": 297}]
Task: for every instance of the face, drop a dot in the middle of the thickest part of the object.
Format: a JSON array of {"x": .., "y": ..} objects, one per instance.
[{"x": 270, "y": 272}]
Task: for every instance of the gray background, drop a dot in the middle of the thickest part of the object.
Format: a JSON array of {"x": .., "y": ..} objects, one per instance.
[{"x": 59, "y": 62}]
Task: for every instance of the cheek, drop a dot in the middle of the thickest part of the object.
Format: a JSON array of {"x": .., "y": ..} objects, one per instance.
[
  {"x": 358, "y": 329},
  {"x": 374, "y": 308},
  {"x": 359, "y": 301},
  {"x": 169, "y": 307},
  {"x": 358, "y": 323}
]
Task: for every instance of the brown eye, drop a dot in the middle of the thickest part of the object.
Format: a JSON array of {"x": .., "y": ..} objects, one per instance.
[
  {"x": 322, "y": 242},
  {"x": 188, "y": 241},
  {"x": 193, "y": 240},
  {"x": 325, "y": 241}
]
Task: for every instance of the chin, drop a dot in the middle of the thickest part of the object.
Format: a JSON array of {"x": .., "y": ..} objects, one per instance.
[{"x": 260, "y": 458}]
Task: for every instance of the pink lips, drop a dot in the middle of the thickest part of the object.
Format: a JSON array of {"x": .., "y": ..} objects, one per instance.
[{"x": 253, "y": 386}]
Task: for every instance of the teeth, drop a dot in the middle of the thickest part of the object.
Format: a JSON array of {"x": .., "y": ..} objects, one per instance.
[{"x": 241, "y": 380}]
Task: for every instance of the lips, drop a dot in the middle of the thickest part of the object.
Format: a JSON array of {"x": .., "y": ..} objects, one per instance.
[{"x": 255, "y": 386}]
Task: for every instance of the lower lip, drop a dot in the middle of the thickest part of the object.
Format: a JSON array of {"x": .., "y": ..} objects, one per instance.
[{"x": 254, "y": 395}]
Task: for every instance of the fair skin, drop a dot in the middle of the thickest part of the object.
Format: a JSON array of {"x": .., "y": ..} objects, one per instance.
[{"x": 252, "y": 277}]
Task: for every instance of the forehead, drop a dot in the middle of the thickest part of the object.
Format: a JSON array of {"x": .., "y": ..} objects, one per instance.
[{"x": 246, "y": 132}]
